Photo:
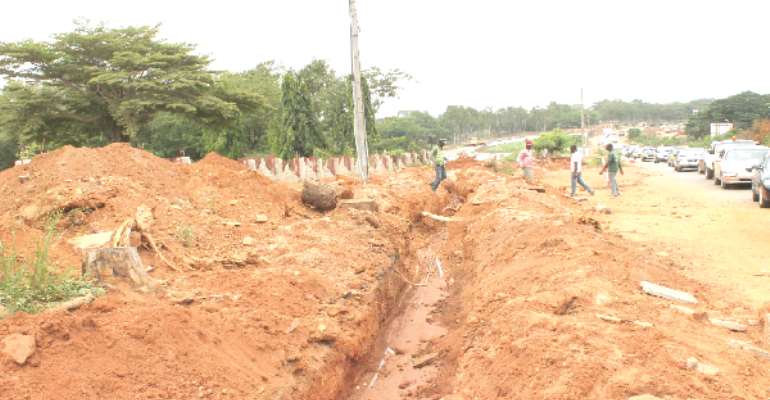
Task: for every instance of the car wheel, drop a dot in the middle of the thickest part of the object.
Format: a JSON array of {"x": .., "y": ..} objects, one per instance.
[
  {"x": 764, "y": 201},
  {"x": 754, "y": 194},
  {"x": 709, "y": 174}
]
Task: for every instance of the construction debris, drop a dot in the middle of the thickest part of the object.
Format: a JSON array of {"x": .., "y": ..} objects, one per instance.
[
  {"x": 440, "y": 218},
  {"x": 743, "y": 345},
  {"x": 731, "y": 325},
  {"x": 667, "y": 293}
]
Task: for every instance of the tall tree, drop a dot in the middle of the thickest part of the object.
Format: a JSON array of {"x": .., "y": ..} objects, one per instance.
[
  {"x": 115, "y": 80},
  {"x": 301, "y": 132}
]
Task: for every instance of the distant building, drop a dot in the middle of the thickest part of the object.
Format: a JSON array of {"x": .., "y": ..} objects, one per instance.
[
  {"x": 720, "y": 128},
  {"x": 405, "y": 113}
]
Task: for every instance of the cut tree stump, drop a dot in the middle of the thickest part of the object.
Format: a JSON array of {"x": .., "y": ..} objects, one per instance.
[
  {"x": 122, "y": 263},
  {"x": 320, "y": 197}
]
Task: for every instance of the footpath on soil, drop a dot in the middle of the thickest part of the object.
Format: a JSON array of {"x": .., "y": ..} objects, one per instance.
[{"x": 273, "y": 300}]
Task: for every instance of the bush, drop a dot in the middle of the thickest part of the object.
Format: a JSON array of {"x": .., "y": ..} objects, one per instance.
[
  {"x": 634, "y": 133},
  {"x": 32, "y": 287},
  {"x": 555, "y": 142}
]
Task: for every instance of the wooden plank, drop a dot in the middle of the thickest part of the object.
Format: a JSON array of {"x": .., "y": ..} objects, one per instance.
[
  {"x": 667, "y": 293},
  {"x": 440, "y": 218},
  {"x": 731, "y": 325}
]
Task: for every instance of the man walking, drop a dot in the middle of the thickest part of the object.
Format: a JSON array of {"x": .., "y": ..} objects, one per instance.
[
  {"x": 526, "y": 159},
  {"x": 613, "y": 167},
  {"x": 576, "y": 166},
  {"x": 439, "y": 160}
]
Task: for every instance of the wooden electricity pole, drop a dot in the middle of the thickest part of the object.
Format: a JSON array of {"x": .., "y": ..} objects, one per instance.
[{"x": 359, "y": 120}]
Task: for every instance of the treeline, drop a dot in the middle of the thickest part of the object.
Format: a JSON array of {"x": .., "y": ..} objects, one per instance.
[
  {"x": 96, "y": 85},
  {"x": 458, "y": 123},
  {"x": 742, "y": 110}
]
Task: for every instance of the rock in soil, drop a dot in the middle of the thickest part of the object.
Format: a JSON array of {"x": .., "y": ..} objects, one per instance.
[
  {"x": 320, "y": 197},
  {"x": 19, "y": 347}
]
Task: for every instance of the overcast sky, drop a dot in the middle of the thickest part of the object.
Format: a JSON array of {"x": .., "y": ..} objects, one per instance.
[{"x": 482, "y": 53}]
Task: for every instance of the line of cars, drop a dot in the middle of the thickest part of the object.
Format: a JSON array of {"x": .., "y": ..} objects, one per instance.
[{"x": 728, "y": 163}]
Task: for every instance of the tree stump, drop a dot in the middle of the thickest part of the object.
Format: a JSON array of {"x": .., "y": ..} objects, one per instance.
[
  {"x": 122, "y": 263},
  {"x": 319, "y": 197}
]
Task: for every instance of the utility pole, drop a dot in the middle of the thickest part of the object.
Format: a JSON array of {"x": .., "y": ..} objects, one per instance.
[
  {"x": 583, "y": 120},
  {"x": 359, "y": 120},
  {"x": 582, "y": 112}
]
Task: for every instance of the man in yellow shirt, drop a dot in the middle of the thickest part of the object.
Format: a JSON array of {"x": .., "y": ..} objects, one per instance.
[{"x": 439, "y": 160}]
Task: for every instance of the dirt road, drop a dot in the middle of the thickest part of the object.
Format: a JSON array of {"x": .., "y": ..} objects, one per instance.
[{"x": 716, "y": 235}]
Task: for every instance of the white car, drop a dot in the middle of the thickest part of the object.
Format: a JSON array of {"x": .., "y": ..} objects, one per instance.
[
  {"x": 736, "y": 163},
  {"x": 688, "y": 159},
  {"x": 709, "y": 162}
]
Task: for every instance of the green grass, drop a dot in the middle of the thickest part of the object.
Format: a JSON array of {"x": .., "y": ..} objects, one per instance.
[
  {"x": 503, "y": 148},
  {"x": 32, "y": 286}
]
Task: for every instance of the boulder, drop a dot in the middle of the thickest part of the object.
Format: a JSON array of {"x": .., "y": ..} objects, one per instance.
[{"x": 320, "y": 197}]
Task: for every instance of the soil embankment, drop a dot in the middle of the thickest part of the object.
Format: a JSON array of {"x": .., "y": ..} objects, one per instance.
[{"x": 536, "y": 297}]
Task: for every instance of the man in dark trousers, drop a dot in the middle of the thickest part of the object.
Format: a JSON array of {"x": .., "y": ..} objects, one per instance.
[
  {"x": 576, "y": 167},
  {"x": 439, "y": 160},
  {"x": 613, "y": 167}
]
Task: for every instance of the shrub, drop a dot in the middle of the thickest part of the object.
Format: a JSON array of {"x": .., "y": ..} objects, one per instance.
[
  {"x": 32, "y": 287},
  {"x": 555, "y": 142}
]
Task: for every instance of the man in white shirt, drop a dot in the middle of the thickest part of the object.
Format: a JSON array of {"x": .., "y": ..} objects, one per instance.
[{"x": 576, "y": 166}]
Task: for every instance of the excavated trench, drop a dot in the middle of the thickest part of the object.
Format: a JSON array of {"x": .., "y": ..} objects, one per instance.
[{"x": 405, "y": 361}]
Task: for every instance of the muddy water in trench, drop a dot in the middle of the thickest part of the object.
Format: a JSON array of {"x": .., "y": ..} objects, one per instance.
[{"x": 408, "y": 364}]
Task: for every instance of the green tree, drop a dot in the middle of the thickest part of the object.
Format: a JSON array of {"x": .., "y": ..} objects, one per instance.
[
  {"x": 114, "y": 80},
  {"x": 301, "y": 132}
]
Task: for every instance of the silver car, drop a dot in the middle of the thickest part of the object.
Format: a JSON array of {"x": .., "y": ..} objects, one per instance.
[
  {"x": 688, "y": 159},
  {"x": 733, "y": 168}
]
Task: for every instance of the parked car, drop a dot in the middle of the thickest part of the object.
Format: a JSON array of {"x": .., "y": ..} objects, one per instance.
[
  {"x": 661, "y": 154},
  {"x": 688, "y": 159},
  {"x": 732, "y": 166},
  {"x": 760, "y": 182},
  {"x": 648, "y": 154},
  {"x": 715, "y": 152},
  {"x": 637, "y": 153}
]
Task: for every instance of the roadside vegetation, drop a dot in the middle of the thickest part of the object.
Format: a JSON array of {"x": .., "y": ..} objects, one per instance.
[
  {"x": 122, "y": 93},
  {"x": 556, "y": 142},
  {"x": 31, "y": 286},
  {"x": 513, "y": 148}
]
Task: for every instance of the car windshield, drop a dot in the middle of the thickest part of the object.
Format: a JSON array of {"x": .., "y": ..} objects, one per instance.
[{"x": 743, "y": 155}]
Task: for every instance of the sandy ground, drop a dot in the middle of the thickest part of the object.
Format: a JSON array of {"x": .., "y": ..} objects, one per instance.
[{"x": 716, "y": 235}]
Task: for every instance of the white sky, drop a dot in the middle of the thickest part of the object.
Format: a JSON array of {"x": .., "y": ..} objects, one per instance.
[{"x": 482, "y": 53}]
